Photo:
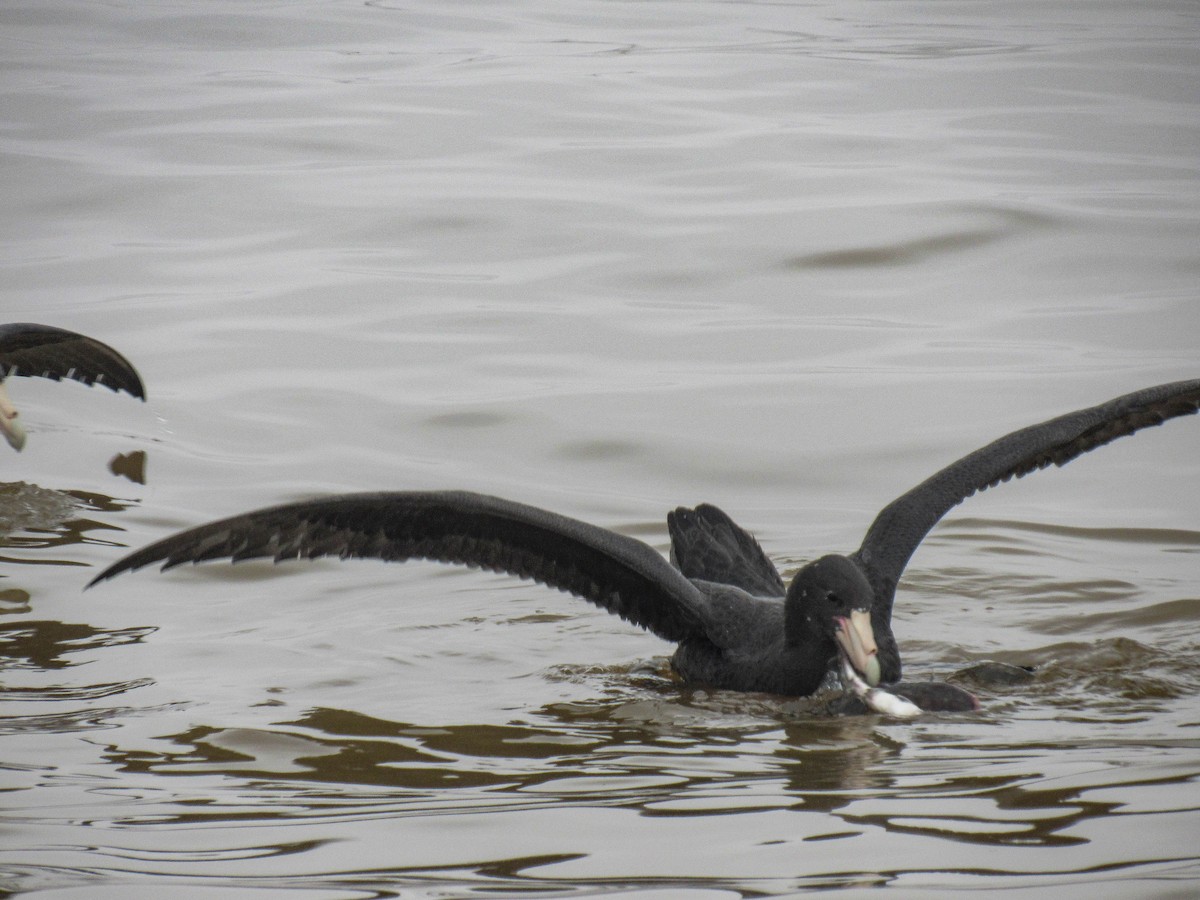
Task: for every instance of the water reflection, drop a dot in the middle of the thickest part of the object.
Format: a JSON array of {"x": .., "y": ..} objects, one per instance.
[
  {"x": 937, "y": 784},
  {"x": 130, "y": 465},
  {"x": 34, "y": 649},
  {"x": 412, "y": 769},
  {"x": 38, "y": 518},
  {"x": 44, "y": 645}
]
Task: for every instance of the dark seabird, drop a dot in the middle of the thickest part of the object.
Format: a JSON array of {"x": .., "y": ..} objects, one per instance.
[
  {"x": 55, "y": 353},
  {"x": 723, "y": 602}
]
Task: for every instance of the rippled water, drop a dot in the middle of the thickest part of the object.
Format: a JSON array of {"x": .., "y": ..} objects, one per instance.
[{"x": 607, "y": 258}]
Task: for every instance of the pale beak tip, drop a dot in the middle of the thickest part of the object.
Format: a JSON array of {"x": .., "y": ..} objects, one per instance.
[
  {"x": 873, "y": 674},
  {"x": 15, "y": 435},
  {"x": 857, "y": 640}
]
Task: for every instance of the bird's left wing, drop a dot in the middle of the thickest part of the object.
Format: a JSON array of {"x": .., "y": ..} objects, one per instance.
[{"x": 902, "y": 524}]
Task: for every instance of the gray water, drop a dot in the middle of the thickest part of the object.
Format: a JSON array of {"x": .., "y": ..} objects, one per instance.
[{"x": 607, "y": 258}]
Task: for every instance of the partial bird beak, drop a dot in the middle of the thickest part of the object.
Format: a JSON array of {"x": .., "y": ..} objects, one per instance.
[
  {"x": 13, "y": 432},
  {"x": 857, "y": 640}
]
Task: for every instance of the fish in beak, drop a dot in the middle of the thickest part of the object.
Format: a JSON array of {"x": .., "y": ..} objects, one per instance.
[
  {"x": 856, "y": 640},
  {"x": 878, "y": 699},
  {"x": 13, "y": 432}
]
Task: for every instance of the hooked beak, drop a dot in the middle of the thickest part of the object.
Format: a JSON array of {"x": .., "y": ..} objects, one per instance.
[
  {"x": 856, "y": 639},
  {"x": 13, "y": 432}
]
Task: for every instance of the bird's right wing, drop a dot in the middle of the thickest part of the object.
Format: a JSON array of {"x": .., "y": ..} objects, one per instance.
[
  {"x": 619, "y": 573},
  {"x": 55, "y": 353}
]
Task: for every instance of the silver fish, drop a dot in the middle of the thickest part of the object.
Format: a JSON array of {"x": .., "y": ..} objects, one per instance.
[{"x": 877, "y": 698}]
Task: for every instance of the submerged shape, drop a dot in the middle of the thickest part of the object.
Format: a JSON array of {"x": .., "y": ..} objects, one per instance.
[
  {"x": 28, "y": 507},
  {"x": 55, "y": 353},
  {"x": 723, "y": 602}
]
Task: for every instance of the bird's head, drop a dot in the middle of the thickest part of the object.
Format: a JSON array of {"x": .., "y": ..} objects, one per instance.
[{"x": 831, "y": 597}]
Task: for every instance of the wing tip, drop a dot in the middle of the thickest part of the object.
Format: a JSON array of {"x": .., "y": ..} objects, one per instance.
[{"x": 110, "y": 572}]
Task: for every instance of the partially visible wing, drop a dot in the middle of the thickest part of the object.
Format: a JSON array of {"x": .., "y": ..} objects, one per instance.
[
  {"x": 55, "y": 353},
  {"x": 707, "y": 545},
  {"x": 903, "y": 524},
  {"x": 619, "y": 573}
]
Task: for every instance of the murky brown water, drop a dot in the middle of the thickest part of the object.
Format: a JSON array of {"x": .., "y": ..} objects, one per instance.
[{"x": 607, "y": 258}]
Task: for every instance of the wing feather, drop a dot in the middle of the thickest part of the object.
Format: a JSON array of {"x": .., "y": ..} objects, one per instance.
[
  {"x": 613, "y": 571},
  {"x": 708, "y": 545},
  {"x": 55, "y": 353},
  {"x": 902, "y": 524}
]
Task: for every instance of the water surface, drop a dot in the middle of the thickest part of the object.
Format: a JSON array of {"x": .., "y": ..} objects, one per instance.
[{"x": 607, "y": 258}]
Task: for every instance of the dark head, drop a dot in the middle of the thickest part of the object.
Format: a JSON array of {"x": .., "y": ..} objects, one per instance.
[{"x": 831, "y": 598}]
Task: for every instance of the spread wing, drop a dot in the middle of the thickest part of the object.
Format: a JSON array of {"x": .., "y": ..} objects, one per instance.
[
  {"x": 55, "y": 353},
  {"x": 709, "y": 546},
  {"x": 902, "y": 525},
  {"x": 619, "y": 573}
]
